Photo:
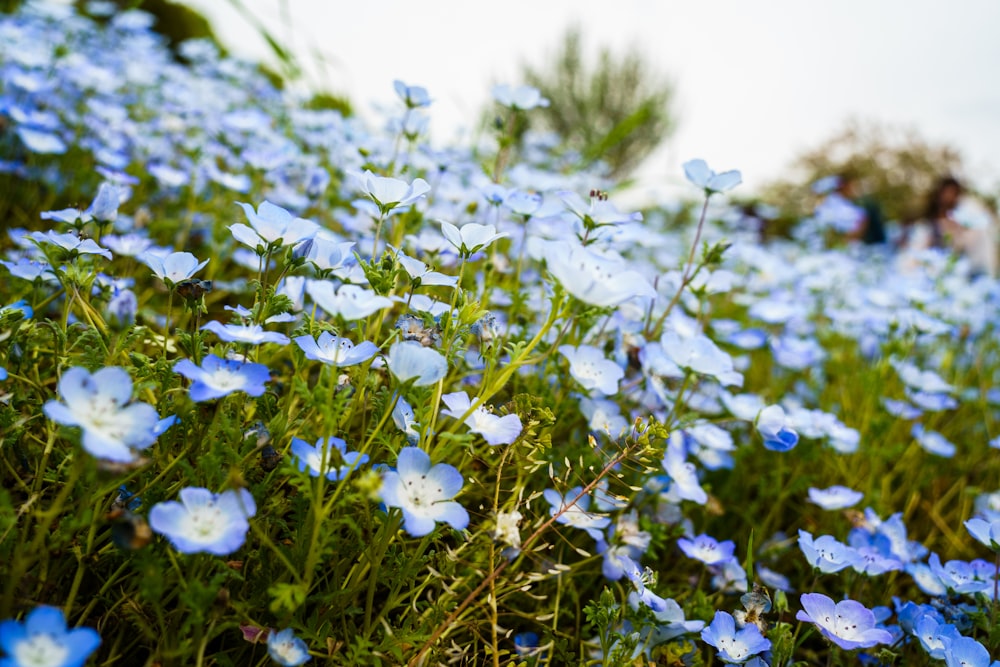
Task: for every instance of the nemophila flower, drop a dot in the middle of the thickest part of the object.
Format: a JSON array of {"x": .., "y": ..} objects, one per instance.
[
  {"x": 104, "y": 208},
  {"x": 523, "y": 98},
  {"x": 934, "y": 635},
  {"x": 413, "y": 97},
  {"x": 834, "y": 497},
  {"x": 351, "y": 302},
  {"x": 987, "y": 532},
  {"x": 99, "y": 403},
  {"x": 599, "y": 212},
  {"x": 591, "y": 369},
  {"x": 796, "y": 353},
  {"x": 496, "y": 430},
  {"x": 470, "y": 237},
  {"x": 405, "y": 419},
  {"x": 251, "y": 334},
  {"x": 734, "y": 646},
  {"x": 392, "y": 193},
  {"x": 271, "y": 224},
  {"x": 932, "y": 441},
  {"x": 848, "y": 623},
  {"x": 698, "y": 354},
  {"x": 683, "y": 475},
  {"x": 122, "y": 308},
  {"x": 423, "y": 492},
  {"x": 287, "y": 649},
  {"x": 707, "y": 549},
  {"x": 204, "y": 521},
  {"x": 334, "y": 350},
  {"x": 326, "y": 252},
  {"x": 576, "y": 515},
  {"x": 593, "y": 278},
  {"x": 43, "y": 640},
  {"x": 773, "y": 427},
  {"x": 901, "y": 409},
  {"x": 174, "y": 267},
  {"x": 217, "y": 377},
  {"x": 522, "y": 203},
  {"x": 961, "y": 576},
  {"x": 71, "y": 243},
  {"x": 825, "y": 553},
  {"x": 40, "y": 141},
  {"x": 28, "y": 269},
  {"x": 920, "y": 380},
  {"x": 967, "y": 652},
  {"x": 699, "y": 174},
  {"x": 421, "y": 274},
  {"x": 409, "y": 360},
  {"x": 327, "y": 457}
]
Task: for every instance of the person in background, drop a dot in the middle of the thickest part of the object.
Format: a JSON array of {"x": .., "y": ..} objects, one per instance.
[
  {"x": 844, "y": 210},
  {"x": 958, "y": 221}
]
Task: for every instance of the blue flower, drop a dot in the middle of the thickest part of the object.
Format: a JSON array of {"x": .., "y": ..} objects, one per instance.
[
  {"x": 413, "y": 97},
  {"x": 217, "y": 377},
  {"x": 271, "y": 224},
  {"x": 772, "y": 424},
  {"x": 104, "y": 208},
  {"x": 43, "y": 641},
  {"x": 589, "y": 367},
  {"x": 576, "y": 515},
  {"x": 204, "y": 521},
  {"x": 987, "y": 532},
  {"x": 848, "y": 624},
  {"x": 99, "y": 404},
  {"x": 522, "y": 98},
  {"x": 496, "y": 430},
  {"x": 392, "y": 193},
  {"x": 351, "y": 302},
  {"x": 408, "y": 360},
  {"x": 174, "y": 267},
  {"x": 334, "y": 350},
  {"x": 423, "y": 492},
  {"x": 707, "y": 549},
  {"x": 967, "y": 652},
  {"x": 699, "y": 174},
  {"x": 287, "y": 649},
  {"x": 825, "y": 553},
  {"x": 835, "y": 497},
  {"x": 330, "y": 458},
  {"x": 251, "y": 334},
  {"x": 734, "y": 646}
]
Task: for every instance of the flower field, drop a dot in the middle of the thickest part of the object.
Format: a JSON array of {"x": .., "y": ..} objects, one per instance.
[{"x": 278, "y": 387}]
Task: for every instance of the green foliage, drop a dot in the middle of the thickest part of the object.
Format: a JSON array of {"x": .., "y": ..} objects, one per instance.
[{"x": 617, "y": 110}]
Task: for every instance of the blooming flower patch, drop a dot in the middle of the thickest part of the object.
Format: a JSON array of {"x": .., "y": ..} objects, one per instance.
[{"x": 432, "y": 404}]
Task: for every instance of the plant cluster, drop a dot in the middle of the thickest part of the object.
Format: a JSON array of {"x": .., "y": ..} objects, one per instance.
[{"x": 293, "y": 389}]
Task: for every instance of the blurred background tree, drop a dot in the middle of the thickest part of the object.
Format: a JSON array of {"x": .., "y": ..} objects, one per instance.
[
  {"x": 617, "y": 111},
  {"x": 895, "y": 166}
]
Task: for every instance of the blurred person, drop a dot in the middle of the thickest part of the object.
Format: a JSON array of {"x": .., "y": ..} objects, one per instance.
[
  {"x": 955, "y": 220},
  {"x": 858, "y": 218}
]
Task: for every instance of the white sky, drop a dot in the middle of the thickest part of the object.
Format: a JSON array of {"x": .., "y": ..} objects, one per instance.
[{"x": 756, "y": 81}]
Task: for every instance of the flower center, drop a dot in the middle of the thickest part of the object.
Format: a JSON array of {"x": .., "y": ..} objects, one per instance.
[{"x": 40, "y": 650}]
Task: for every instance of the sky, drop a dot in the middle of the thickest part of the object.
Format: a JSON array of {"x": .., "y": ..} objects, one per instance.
[{"x": 757, "y": 82}]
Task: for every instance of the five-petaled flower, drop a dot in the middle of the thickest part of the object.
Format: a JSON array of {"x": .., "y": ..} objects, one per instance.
[
  {"x": 734, "y": 646},
  {"x": 217, "y": 377},
  {"x": 204, "y": 521},
  {"x": 43, "y": 640},
  {"x": 329, "y": 456},
  {"x": 424, "y": 492},
  {"x": 848, "y": 623},
  {"x": 99, "y": 403},
  {"x": 287, "y": 649}
]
